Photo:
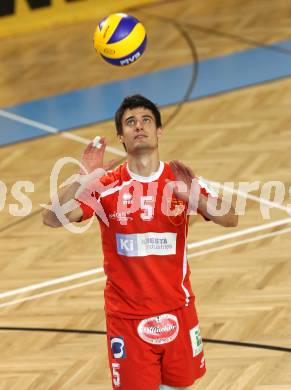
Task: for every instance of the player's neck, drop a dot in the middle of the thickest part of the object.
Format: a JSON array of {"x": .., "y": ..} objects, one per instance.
[{"x": 144, "y": 164}]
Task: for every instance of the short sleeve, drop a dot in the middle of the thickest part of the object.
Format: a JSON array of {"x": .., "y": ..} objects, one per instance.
[
  {"x": 207, "y": 190},
  {"x": 88, "y": 212},
  {"x": 89, "y": 198}
]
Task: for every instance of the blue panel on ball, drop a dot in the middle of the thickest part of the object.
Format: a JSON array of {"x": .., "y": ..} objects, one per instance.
[
  {"x": 129, "y": 59},
  {"x": 124, "y": 28},
  {"x": 102, "y": 23}
]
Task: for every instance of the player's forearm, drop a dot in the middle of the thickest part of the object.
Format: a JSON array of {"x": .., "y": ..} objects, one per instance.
[
  {"x": 64, "y": 195},
  {"x": 63, "y": 208},
  {"x": 209, "y": 209}
]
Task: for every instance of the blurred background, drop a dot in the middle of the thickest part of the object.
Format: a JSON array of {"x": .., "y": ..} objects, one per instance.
[{"x": 220, "y": 72}]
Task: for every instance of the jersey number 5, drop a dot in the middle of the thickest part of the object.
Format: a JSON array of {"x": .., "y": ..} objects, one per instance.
[{"x": 146, "y": 204}]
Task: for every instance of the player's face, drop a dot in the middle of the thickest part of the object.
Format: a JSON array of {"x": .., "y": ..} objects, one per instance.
[{"x": 139, "y": 130}]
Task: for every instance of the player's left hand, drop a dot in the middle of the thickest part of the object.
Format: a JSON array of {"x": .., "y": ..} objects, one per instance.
[{"x": 184, "y": 174}]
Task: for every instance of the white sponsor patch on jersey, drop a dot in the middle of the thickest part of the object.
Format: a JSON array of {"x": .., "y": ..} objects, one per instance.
[
  {"x": 146, "y": 244},
  {"x": 196, "y": 340},
  {"x": 159, "y": 330}
]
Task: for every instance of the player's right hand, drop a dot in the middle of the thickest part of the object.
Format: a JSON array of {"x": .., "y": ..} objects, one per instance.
[{"x": 92, "y": 158}]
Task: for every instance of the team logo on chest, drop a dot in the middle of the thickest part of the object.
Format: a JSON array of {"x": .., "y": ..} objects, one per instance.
[
  {"x": 159, "y": 330},
  {"x": 176, "y": 211},
  {"x": 126, "y": 198}
]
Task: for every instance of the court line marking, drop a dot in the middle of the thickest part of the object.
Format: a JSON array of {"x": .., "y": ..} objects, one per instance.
[
  {"x": 223, "y": 237},
  {"x": 227, "y": 81},
  {"x": 51, "y": 282},
  {"x": 241, "y": 242},
  {"x": 251, "y": 197},
  {"x": 82, "y": 140},
  {"x": 71, "y": 287},
  {"x": 52, "y": 292},
  {"x": 54, "y": 130},
  {"x": 77, "y": 138},
  {"x": 239, "y": 233},
  {"x": 243, "y": 344}
]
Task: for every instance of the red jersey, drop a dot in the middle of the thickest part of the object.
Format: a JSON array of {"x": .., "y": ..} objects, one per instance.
[{"x": 145, "y": 256}]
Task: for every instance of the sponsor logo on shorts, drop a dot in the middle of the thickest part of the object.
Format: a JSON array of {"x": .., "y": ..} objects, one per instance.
[
  {"x": 146, "y": 244},
  {"x": 196, "y": 340},
  {"x": 118, "y": 347},
  {"x": 159, "y": 330}
]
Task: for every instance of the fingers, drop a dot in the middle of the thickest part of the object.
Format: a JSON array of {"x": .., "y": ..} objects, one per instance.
[
  {"x": 98, "y": 144},
  {"x": 111, "y": 164},
  {"x": 114, "y": 163},
  {"x": 182, "y": 173},
  {"x": 96, "y": 141},
  {"x": 102, "y": 142},
  {"x": 191, "y": 173},
  {"x": 179, "y": 167},
  {"x": 187, "y": 175},
  {"x": 177, "y": 191},
  {"x": 184, "y": 167},
  {"x": 88, "y": 148},
  {"x": 175, "y": 168}
]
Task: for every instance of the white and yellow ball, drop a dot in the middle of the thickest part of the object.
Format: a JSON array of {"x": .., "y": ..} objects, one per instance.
[{"x": 120, "y": 39}]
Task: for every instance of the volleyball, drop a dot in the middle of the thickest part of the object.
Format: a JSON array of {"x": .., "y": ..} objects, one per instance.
[{"x": 120, "y": 39}]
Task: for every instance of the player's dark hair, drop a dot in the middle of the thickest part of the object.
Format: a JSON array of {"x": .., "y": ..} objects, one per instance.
[{"x": 135, "y": 101}]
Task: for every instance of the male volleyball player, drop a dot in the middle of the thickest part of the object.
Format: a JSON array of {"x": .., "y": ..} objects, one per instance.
[{"x": 153, "y": 332}]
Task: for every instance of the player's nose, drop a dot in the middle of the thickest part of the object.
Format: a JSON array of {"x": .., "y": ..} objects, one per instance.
[{"x": 139, "y": 124}]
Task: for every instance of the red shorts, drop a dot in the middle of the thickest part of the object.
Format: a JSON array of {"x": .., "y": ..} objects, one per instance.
[{"x": 163, "y": 349}]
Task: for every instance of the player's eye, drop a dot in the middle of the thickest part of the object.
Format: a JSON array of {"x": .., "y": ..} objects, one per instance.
[
  {"x": 146, "y": 119},
  {"x": 130, "y": 122}
]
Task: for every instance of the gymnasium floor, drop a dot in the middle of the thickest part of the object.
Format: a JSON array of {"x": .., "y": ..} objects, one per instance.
[{"x": 221, "y": 73}]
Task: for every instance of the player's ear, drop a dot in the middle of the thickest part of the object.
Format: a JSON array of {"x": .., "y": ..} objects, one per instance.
[
  {"x": 159, "y": 131},
  {"x": 121, "y": 140}
]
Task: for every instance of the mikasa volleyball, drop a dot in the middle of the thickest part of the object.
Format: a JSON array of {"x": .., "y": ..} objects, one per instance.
[{"x": 120, "y": 39}]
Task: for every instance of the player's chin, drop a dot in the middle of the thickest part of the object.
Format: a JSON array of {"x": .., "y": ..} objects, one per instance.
[{"x": 142, "y": 144}]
